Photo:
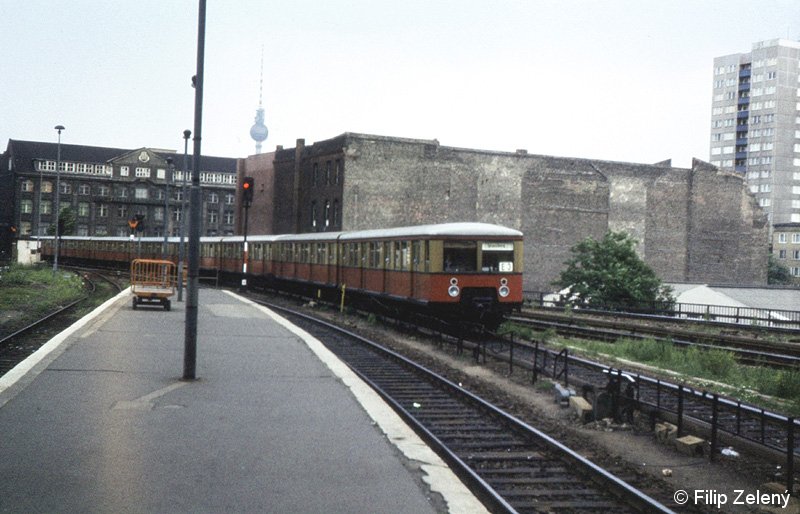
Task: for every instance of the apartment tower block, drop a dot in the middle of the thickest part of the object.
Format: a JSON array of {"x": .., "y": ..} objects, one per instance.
[{"x": 755, "y": 124}]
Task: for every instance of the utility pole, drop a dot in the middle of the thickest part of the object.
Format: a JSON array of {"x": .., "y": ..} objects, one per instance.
[{"x": 190, "y": 339}]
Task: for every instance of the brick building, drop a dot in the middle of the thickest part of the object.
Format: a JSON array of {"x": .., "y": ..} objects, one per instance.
[
  {"x": 106, "y": 187},
  {"x": 693, "y": 224}
]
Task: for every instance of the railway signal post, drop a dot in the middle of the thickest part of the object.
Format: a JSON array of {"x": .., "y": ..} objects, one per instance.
[{"x": 247, "y": 200}]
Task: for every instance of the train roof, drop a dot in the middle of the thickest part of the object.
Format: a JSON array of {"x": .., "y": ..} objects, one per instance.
[{"x": 465, "y": 229}]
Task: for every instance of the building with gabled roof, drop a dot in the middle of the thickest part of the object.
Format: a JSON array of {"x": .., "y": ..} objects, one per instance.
[{"x": 106, "y": 187}]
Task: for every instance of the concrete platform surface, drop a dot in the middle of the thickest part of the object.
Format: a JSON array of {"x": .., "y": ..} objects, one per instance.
[{"x": 99, "y": 421}]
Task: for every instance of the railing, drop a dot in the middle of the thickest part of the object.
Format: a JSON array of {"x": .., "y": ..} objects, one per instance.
[
  {"x": 719, "y": 313},
  {"x": 706, "y": 411}
]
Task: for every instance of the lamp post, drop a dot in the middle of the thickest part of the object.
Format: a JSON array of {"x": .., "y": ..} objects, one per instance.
[
  {"x": 59, "y": 128},
  {"x": 39, "y": 205},
  {"x": 195, "y": 222},
  {"x": 169, "y": 172},
  {"x": 186, "y": 135}
]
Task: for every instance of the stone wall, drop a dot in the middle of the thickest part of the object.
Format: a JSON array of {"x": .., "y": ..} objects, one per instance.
[
  {"x": 691, "y": 224},
  {"x": 728, "y": 231}
]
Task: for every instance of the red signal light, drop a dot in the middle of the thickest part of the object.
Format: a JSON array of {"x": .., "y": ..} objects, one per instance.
[{"x": 247, "y": 191}]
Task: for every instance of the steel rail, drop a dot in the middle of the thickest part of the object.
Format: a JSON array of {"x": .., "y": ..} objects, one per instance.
[
  {"x": 630, "y": 496},
  {"x": 743, "y": 354}
]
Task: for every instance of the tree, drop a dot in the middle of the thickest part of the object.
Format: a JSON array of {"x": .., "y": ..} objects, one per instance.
[
  {"x": 777, "y": 273},
  {"x": 609, "y": 274},
  {"x": 66, "y": 223}
]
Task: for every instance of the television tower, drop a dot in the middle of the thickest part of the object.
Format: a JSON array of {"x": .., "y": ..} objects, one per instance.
[{"x": 259, "y": 130}]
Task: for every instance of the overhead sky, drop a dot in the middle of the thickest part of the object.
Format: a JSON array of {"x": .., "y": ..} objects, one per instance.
[{"x": 625, "y": 80}]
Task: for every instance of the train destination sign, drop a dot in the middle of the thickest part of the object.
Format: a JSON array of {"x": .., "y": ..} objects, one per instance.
[{"x": 497, "y": 247}]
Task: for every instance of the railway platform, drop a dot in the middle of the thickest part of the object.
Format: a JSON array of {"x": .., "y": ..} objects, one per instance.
[{"x": 99, "y": 420}]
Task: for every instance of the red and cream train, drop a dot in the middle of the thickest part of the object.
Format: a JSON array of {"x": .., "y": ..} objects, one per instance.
[{"x": 468, "y": 270}]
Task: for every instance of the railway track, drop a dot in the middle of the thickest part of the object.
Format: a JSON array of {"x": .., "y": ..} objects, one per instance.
[
  {"x": 511, "y": 466},
  {"x": 784, "y": 354},
  {"x": 21, "y": 343},
  {"x": 617, "y": 393},
  {"x": 723, "y": 421}
]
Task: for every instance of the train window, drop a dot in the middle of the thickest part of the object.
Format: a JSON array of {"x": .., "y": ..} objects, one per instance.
[
  {"x": 364, "y": 248},
  {"x": 305, "y": 253},
  {"x": 419, "y": 256},
  {"x": 374, "y": 255},
  {"x": 353, "y": 254},
  {"x": 460, "y": 256},
  {"x": 402, "y": 256},
  {"x": 332, "y": 253},
  {"x": 386, "y": 252},
  {"x": 318, "y": 255},
  {"x": 346, "y": 254},
  {"x": 426, "y": 255},
  {"x": 497, "y": 256}
]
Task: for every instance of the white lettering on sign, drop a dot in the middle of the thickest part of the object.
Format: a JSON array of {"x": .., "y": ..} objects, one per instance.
[{"x": 497, "y": 247}]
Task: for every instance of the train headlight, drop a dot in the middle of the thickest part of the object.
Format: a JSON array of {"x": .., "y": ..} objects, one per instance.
[
  {"x": 453, "y": 291},
  {"x": 504, "y": 291}
]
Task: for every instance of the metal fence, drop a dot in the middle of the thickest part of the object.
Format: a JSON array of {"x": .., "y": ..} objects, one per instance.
[
  {"x": 686, "y": 404},
  {"x": 720, "y": 313}
]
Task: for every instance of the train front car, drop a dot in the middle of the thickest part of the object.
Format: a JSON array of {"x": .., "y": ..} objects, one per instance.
[
  {"x": 459, "y": 271},
  {"x": 477, "y": 268}
]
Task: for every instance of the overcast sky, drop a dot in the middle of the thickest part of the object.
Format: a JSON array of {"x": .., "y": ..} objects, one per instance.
[{"x": 616, "y": 80}]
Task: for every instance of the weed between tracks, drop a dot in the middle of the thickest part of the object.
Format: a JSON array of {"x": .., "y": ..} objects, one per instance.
[
  {"x": 31, "y": 292},
  {"x": 749, "y": 383}
]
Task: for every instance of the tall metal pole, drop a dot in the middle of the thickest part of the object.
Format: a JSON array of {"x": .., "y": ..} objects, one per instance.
[
  {"x": 245, "y": 256},
  {"x": 190, "y": 340},
  {"x": 59, "y": 128},
  {"x": 39, "y": 206},
  {"x": 182, "y": 221},
  {"x": 167, "y": 178}
]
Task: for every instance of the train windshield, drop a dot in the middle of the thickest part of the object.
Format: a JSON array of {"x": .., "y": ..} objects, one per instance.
[
  {"x": 497, "y": 257},
  {"x": 485, "y": 256},
  {"x": 460, "y": 256}
]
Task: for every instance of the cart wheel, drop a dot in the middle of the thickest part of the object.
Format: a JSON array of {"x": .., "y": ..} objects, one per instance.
[
  {"x": 167, "y": 305},
  {"x": 134, "y": 302}
]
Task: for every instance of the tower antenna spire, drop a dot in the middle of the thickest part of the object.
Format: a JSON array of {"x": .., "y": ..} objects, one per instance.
[
  {"x": 259, "y": 130},
  {"x": 261, "y": 77}
]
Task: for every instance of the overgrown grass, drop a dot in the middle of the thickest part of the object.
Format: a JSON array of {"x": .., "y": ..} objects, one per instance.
[
  {"x": 31, "y": 291},
  {"x": 749, "y": 383},
  {"x": 713, "y": 365}
]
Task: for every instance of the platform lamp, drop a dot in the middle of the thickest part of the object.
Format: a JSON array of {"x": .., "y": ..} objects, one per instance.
[
  {"x": 182, "y": 222},
  {"x": 167, "y": 178},
  {"x": 39, "y": 203},
  {"x": 59, "y": 128}
]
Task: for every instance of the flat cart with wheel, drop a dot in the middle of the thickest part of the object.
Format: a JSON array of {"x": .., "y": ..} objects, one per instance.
[{"x": 153, "y": 281}]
